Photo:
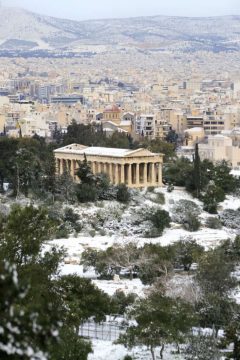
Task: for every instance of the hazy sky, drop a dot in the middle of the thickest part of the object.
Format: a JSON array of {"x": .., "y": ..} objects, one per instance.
[{"x": 92, "y": 9}]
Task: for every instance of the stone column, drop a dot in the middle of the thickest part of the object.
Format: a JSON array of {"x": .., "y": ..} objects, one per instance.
[
  {"x": 110, "y": 172},
  {"x": 60, "y": 166},
  {"x": 72, "y": 169},
  {"x": 145, "y": 175},
  {"x": 137, "y": 175},
  {"x": 105, "y": 168},
  {"x": 160, "y": 174},
  {"x": 97, "y": 167},
  {"x": 94, "y": 167},
  {"x": 153, "y": 174},
  {"x": 116, "y": 174},
  {"x": 122, "y": 174},
  {"x": 129, "y": 175}
]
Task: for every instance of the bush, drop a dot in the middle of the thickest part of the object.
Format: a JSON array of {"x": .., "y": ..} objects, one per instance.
[
  {"x": 212, "y": 198},
  {"x": 213, "y": 223},
  {"x": 152, "y": 233},
  {"x": 120, "y": 302},
  {"x": 192, "y": 223},
  {"x": 128, "y": 357},
  {"x": 102, "y": 232},
  {"x": 92, "y": 233},
  {"x": 231, "y": 218},
  {"x": 123, "y": 194},
  {"x": 150, "y": 189},
  {"x": 86, "y": 193},
  {"x": 159, "y": 198},
  {"x": 70, "y": 216},
  {"x": 160, "y": 220},
  {"x": 186, "y": 212},
  {"x": 182, "y": 209},
  {"x": 62, "y": 232}
]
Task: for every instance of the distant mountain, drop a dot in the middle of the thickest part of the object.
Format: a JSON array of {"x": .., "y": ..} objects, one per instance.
[{"x": 21, "y": 30}]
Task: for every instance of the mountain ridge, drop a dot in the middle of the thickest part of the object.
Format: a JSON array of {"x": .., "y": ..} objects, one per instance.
[{"x": 22, "y": 29}]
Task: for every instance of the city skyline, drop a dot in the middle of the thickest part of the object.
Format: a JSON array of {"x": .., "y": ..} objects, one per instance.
[{"x": 94, "y": 9}]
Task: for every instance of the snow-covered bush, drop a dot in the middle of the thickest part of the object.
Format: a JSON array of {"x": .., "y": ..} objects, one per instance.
[
  {"x": 213, "y": 223},
  {"x": 186, "y": 213},
  {"x": 158, "y": 198},
  {"x": 202, "y": 347},
  {"x": 231, "y": 218}
]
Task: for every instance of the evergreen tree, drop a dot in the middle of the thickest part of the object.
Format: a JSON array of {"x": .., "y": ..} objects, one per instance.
[{"x": 197, "y": 172}]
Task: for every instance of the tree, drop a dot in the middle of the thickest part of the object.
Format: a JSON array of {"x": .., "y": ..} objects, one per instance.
[
  {"x": 187, "y": 251},
  {"x": 202, "y": 347},
  {"x": 22, "y": 234},
  {"x": 214, "y": 277},
  {"x": 212, "y": 197},
  {"x": 21, "y": 335},
  {"x": 160, "y": 320},
  {"x": 70, "y": 346},
  {"x": 155, "y": 264},
  {"x": 82, "y": 299},
  {"x": 120, "y": 302},
  {"x": 214, "y": 273},
  {"x": 84, "y": 172},
  {"x": 65, "y": 187},
  {"x": 232, "y": 334},
  {"x": 178, "y": 172},
  {"x": 197, "y": 172},
  {"x": 160, "y": 146},
  {"x": 223, "y": 178}
]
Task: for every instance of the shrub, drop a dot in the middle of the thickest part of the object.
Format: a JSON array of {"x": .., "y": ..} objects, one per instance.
[
  {"x": 192, "y": 223},
  {"x": 152, "y": 233},
  {"x": 213, "y": 223},
  {"x": 70, "y": 216},
  {"x": 123, "y": 194},
  {"x": 231, "y": 218},
  {"x": 86, "y": 193},
  {"x": 102, "y": 232},
  {"x": 182, "y": 209},
  {"x": 213, "y": 196},
  {"x": 62, "y": 232},
  {"x": 160, "y": 220},
  {"x": 150, "y": 189},
  {"x": 186, "y": 212},
  {"x": 92, "y": 233},
  {"x": 127, "y": 357},
  {"x": 170, "y": 188},
  {"x": 159, "y": 198}
]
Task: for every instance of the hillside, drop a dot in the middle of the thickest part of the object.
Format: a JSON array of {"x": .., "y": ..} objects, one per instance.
[{"x": 24, "y": 30}]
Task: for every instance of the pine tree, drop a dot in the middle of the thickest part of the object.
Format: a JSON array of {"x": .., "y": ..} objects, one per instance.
[{"x": 197, "y": 172}]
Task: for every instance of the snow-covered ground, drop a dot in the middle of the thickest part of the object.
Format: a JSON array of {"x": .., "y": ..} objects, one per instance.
[
  {"x": 107, "y": 223},
  {"x": 107, "y": 350}
]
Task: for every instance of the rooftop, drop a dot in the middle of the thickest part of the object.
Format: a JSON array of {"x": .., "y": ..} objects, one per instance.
[{"x": 103, "y": 151}]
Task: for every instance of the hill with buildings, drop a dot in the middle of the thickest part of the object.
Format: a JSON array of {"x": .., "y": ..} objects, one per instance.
[{"x": 21, "y": 30}]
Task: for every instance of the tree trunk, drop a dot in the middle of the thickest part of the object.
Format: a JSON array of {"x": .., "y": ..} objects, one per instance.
[
  {"x": 161, "y": 351},
  {"x": 152, "y": 353}
]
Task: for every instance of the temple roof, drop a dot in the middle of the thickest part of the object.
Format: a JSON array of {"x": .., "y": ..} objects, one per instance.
[{"x": 103, "y": 151}]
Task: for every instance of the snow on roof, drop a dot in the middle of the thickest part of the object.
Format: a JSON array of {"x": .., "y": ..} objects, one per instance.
[
  {"x": 102, "y": 151},
  {"x": 94, "y": 150}
]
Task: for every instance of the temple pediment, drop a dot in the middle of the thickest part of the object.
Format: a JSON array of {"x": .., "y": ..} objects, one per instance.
[{"x": 140, "y": 152}]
